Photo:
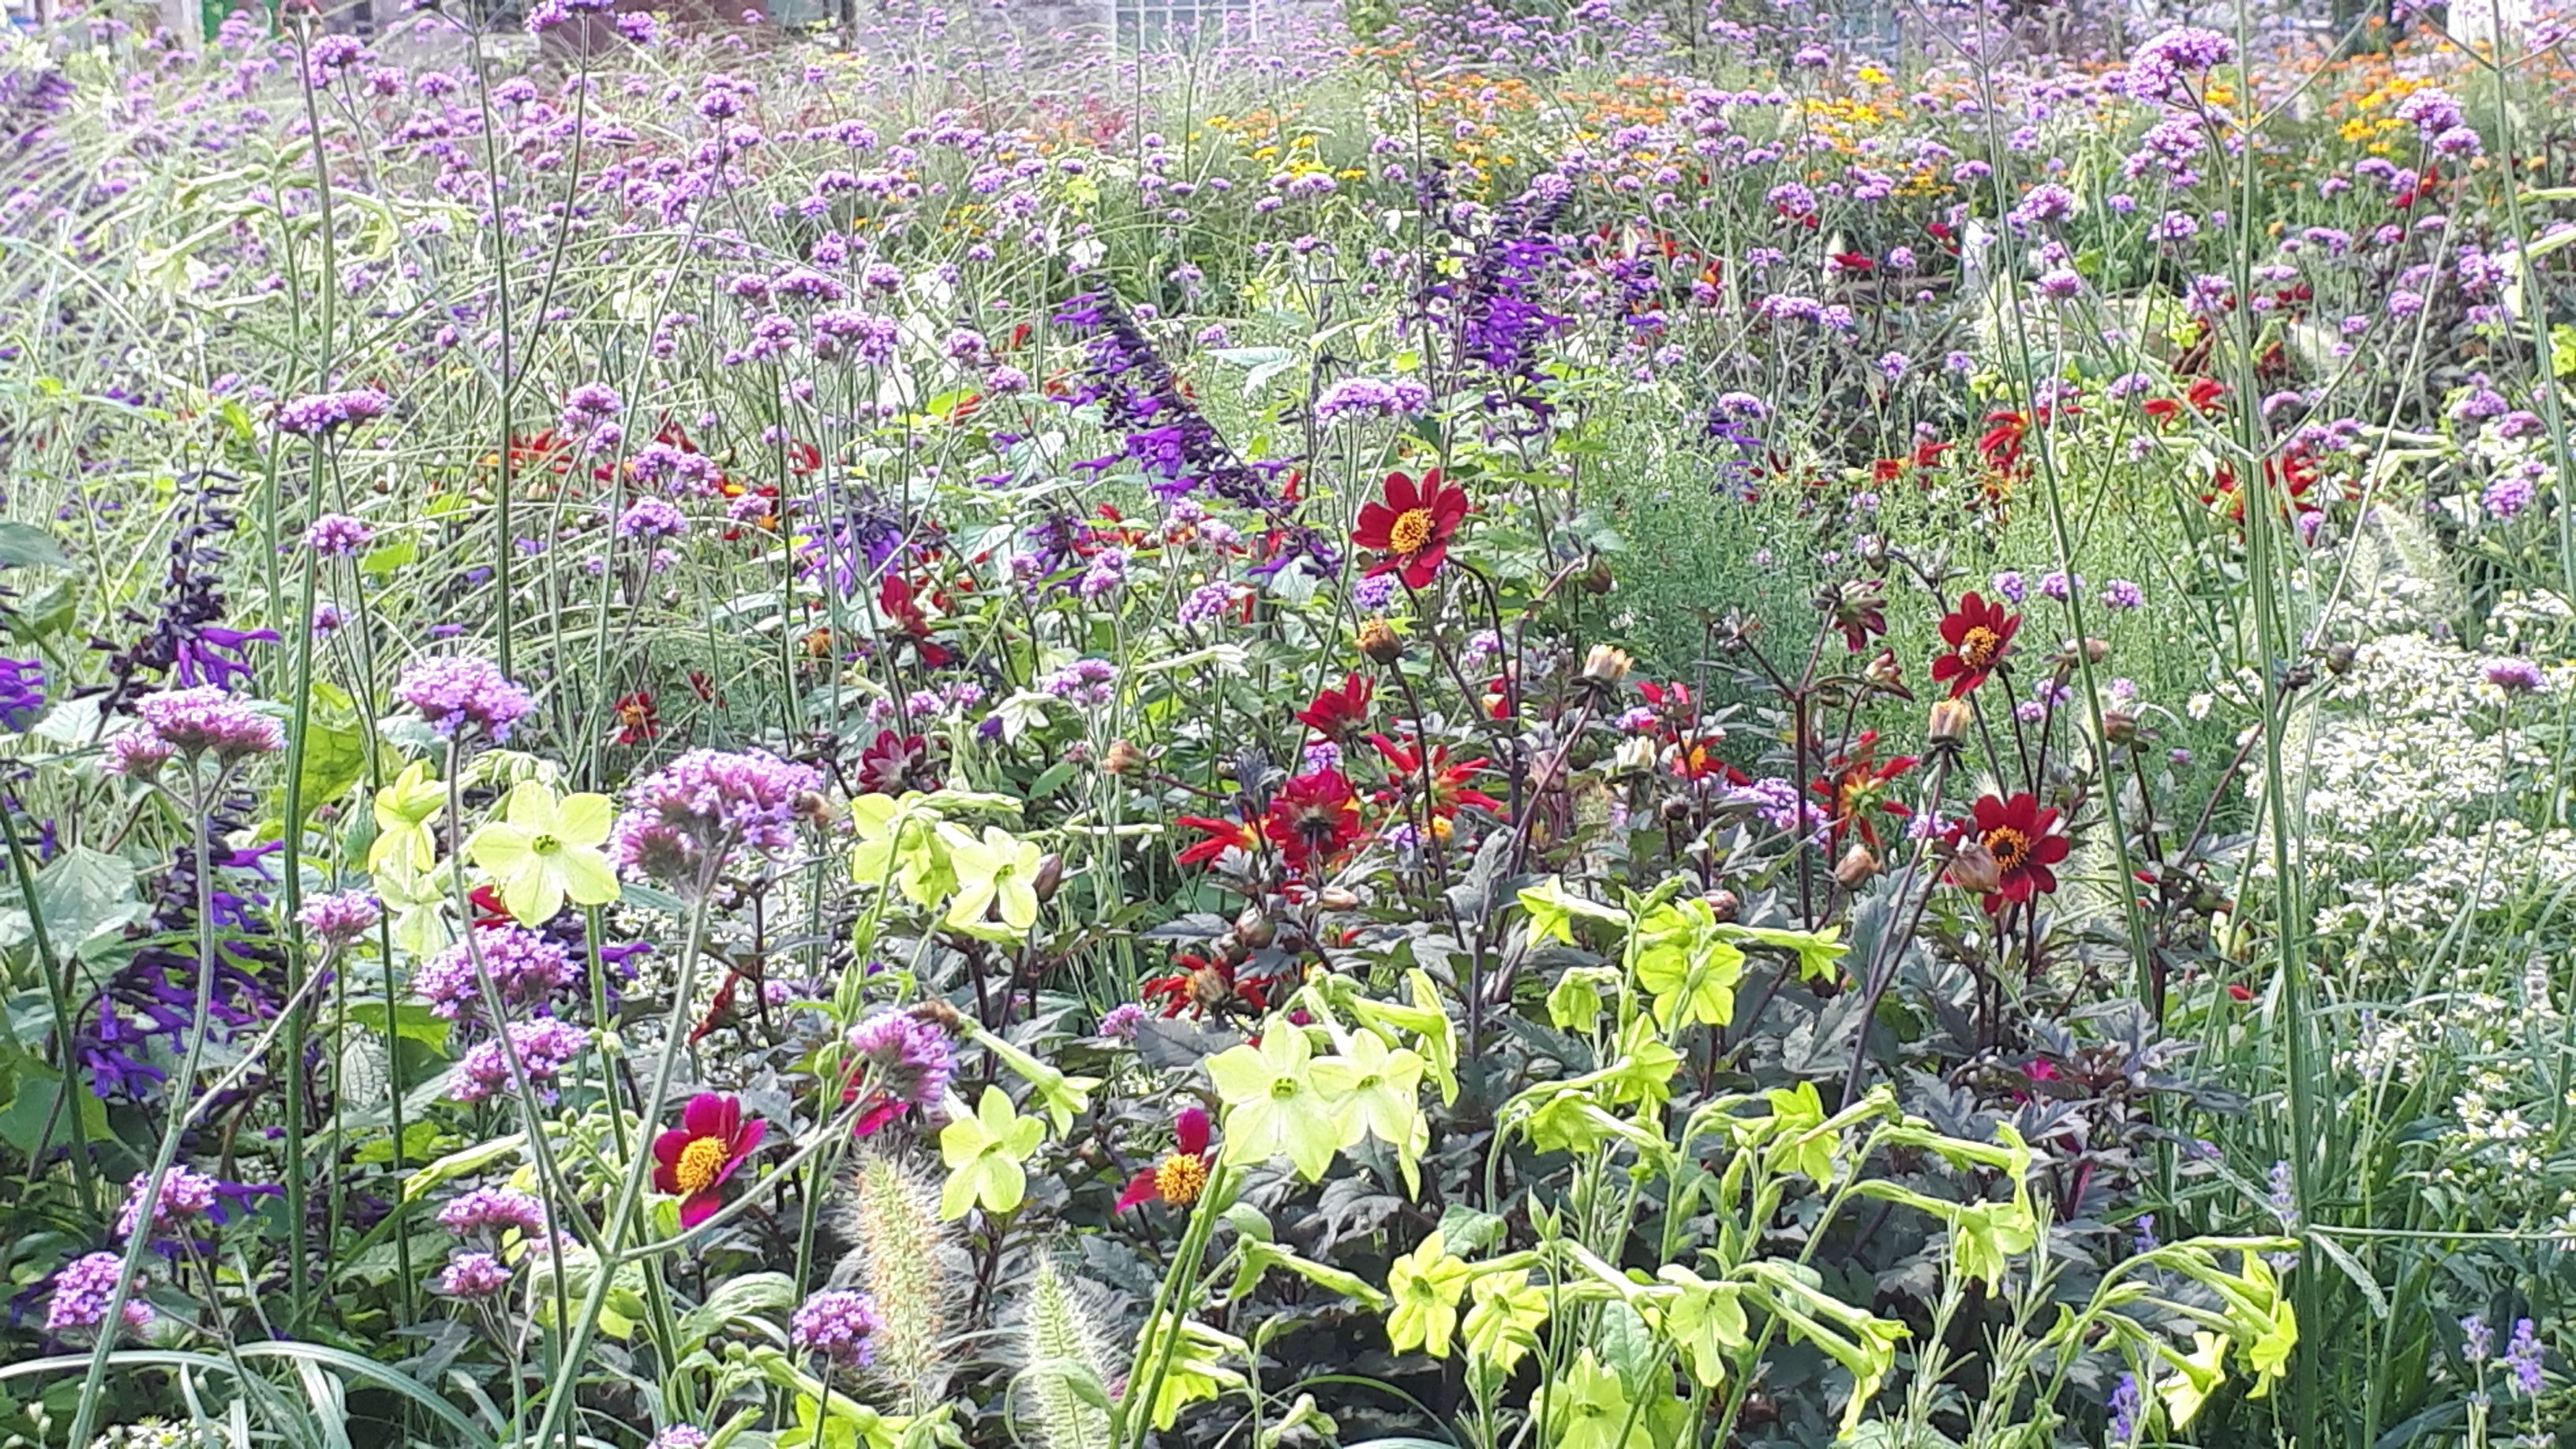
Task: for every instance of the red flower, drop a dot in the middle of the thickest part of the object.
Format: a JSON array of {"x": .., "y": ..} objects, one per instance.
[
  {"x": 1861, "y": 784},
  {"x": 1337, "y": 712},
  {"x": 1313, "y": 818},
  {"x": 2023, "y": 841},
  {"x": 692, "y": 1160},
  {"x": 1979, "y": 634},
  {"x": 1200, "y": 986},
  {"x": 1411, "y": 526},
  {"x": 903, "y": 609},
  {"x": 1449, "y": 789},
  {"x": 637, "y": 721},
  {"x": 1222, "y": 835},
  {"x": 1181, "y": 1177},
  {"x": 893, "y": 763},
  {"x": 2203, "y": 397}
]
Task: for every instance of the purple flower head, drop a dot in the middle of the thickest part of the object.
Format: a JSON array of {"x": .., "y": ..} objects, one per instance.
[
  {"x": 1371, "y": 397},
  {"x": 907, "y": 1059},
  {"x": 493, "y": 1210},
  {"x": 326, "y": 412},
  {"x": 525, "y": 968},
  {"x": 455, "y": 692},
  {"x": 137, "y": 754},
  {"x": 2477, "y": 1341},
  {"x": 680, "y": 1436},
  {"x": 82, "y": 1291},
  {"x": 207, "y": 721},
  {"x": 2055, "y": 584},
  {"x": 839, "y": 1325},
  {"x": 473, "y": 1275},
  {"x": 589, "y": 406},
  {"x": 341, "y": 918},
  {"x": 2515, "y": 675},
  {"x": 651, "y": 518},
  {"x": 1123, "y": 1022},
  {"x": 2523, "y": 1357},
  {"x": 185, "y": 1194},
  {"x": 337, "y": 535},
  {"x": 1087, "y": 683},
  {"x": 707, "y": 808},
  {"x": 2431, "y": 111},
  {"x": 2122, "y": 594},
  {"x": 2508, "y": 494},
  {"x": 2011, "y": 585},
  {"x": 2127, "y": 1403},
  {"x": 544, "y": 1048}
]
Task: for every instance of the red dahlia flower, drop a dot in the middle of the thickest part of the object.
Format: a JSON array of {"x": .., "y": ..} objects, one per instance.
[
  {"x": 1198, "y": 986},
  {"x": 1313, "y": 818},
  {"x": 1336, "y": 712},
  {"x": 638, "y": 722},
  {"x": 1181, "y": 1177},
  {"x": 1979, "y": 633},
  {"x": 1858, "y": 785},
  {"x": 692, "y": 1160},
  {"x": 2022, "y": 839},
  {"x": 1411, "y": 526},
  {"x": 1449, "y": 788},
  {"x": 1222, "y": 835}
]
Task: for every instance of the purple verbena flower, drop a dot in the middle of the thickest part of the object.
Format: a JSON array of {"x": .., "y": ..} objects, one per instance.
[
  {"x": 337, "y": 535},
  {"x": 839, "y": 1325},
  {"x": 454, "y": 692},
  {"x": 207, "y": 721}
]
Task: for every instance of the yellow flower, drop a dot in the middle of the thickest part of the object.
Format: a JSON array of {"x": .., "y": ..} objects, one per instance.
[
  {"x": 546, "y": 849},
  {"x": 404, "y": 812}
]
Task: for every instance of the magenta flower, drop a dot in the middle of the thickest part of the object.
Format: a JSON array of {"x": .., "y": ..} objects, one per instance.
[{"x": 693, "y": 1160}]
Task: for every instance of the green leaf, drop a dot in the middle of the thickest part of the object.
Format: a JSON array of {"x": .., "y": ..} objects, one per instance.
[
  {"x": 86, "y": 899},
  {"x": 24, "y": 545},
  {"x": 390, "y": 556}
]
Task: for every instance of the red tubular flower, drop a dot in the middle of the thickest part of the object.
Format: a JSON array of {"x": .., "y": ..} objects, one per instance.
[
  {"x": 1859, "y": 785},
  {"x": 1411, "y": 526},
  {"x": 2022, "y": 839},
  {"x": 692, "y": 1161},
  {"x": 1336, "y": 712},
  {"x": 1222, "y": 835},
  {"x": 1979, "y": 633},
  {"x": 1180, "y": 1178},
  {"x": 903, "y": 609},
  {"x": 1313, "y": 818}
]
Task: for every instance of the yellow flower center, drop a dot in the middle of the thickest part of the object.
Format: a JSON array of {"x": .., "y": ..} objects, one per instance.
[
  {"x": 1979, "y": 649},
  {"x": 545, "y": 845},
  {"x": 701, "y": 1162},
  {"x": 2008, "y": 846},
  {"x": 1181, "y": 1178},
  {"x": 1411, "y": 530}
]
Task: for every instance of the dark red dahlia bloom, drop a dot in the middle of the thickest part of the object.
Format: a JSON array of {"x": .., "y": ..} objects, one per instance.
[
  {"x": 1448, "y": 782},
  {"x": 1337, "y": 711},
  {"x": 1859, "y": 785},
  {"x": 1979, "y": 633},
  {"x": 1410, "y": 526},
  {"x": 692, "y": 1161},
  {"x": 1313, "y": 818},
  {"x": 2023, "y": 841},
  {"x": 1181, "y": 1177},
  {"x": 893, "y": 763},
  {"x": 1222, "y": 835}
]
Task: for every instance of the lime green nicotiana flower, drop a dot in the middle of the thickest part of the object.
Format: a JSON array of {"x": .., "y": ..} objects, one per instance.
[
  {"x": 1426, "y": 1285},
  {"x": 1376, "y": 1093},
  {"x": 997, "y": 892},
  {"x": 984, "y": 1152},
  {"x": 405, "y": 810},
  {"x": 1274, "y": 1107},
  {"x": 1504, "y": 1322},
  {"x": 544, "y": 849}
]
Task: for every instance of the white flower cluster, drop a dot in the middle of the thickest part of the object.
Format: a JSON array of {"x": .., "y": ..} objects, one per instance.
[
  {"x": 2496, "y": 1140},
  {"x": 2417, "y": 768}
]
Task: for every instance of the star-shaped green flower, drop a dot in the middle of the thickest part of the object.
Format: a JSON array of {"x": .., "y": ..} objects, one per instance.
[
  {"x": 997, "y": 893},
  {"x": 1376, "y": 1093},
  {"x": 984, "y": 1152},
  {"x": 1426, "y": 1285},
  {"x": 405, "y": 810},
  {"x": 1273, "y": 1105},
  {"x": 544, "y": 849}
]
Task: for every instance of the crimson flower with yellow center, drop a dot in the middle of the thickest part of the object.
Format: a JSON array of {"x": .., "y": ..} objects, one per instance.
[
  {"x": 1410, "y": 525},
  {"x": 693, "y": 1160},
  {"x": 1179, "y": 1178},
  {"x": 2023, "y": 840},
  {"x": 1979, "y": 634}
]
